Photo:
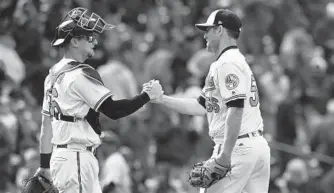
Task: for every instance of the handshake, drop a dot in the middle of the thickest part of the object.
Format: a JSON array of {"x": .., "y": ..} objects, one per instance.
[{"x": 153, "y": 89}]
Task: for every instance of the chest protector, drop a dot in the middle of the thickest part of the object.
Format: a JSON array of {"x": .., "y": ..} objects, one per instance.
[{"x": 92, "y": 116}]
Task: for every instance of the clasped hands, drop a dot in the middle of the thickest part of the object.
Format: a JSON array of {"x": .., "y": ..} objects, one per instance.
[{"x": 154, "y": 89}]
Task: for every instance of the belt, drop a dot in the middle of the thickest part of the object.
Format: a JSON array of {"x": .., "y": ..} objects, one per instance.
[
  {"x": 89, "y": 148},
  {"x": 251, "y": 134},
  {"x": 67, "y": 118}
]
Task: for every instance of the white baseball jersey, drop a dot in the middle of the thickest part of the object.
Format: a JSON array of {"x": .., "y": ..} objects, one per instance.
[
  {"x": 74, "y": 94},
  {"x": 231, "y": 78}
]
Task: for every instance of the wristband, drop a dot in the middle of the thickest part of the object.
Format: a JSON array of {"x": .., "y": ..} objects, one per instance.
[{"x": 45, "y": 160}]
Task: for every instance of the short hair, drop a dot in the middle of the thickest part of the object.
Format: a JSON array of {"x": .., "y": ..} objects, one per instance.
[
  {"x": 233, "y": 34},
  {"x": 67, "y": 41}
]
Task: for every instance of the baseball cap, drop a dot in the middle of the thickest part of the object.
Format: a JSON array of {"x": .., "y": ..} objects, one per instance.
[{"x": 223, "y": 17}]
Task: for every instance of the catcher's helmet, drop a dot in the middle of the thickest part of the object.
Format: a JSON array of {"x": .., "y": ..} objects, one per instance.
[
  {"x": 78, "y": 23},
  {"x": 39, "y": 184}
]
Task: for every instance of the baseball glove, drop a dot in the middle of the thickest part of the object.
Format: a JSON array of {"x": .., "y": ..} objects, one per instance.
[
  {"x": 205, "y": 174},
  {"x": 38, "y": 184}
]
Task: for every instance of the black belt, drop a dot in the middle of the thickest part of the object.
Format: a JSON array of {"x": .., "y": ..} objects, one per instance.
[
  {"x": 66, "y": 118},
  {"x": 251, "y": 134},
  {"x": 89, "y": 148}
]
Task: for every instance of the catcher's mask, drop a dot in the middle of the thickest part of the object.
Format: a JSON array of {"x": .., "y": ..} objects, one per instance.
[{"x": 77, "y": 23}]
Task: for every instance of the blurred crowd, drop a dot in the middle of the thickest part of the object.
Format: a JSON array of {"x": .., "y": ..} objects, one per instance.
[{"x": 289, "y": 45}]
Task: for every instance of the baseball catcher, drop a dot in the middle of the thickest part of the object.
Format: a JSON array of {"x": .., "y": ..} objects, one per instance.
[
  {"x": 39, "y": 184},
  {"x": 205, "y": 174}
]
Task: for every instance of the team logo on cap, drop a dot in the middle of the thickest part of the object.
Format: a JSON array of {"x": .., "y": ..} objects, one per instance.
[{"x": 231, "y": 81}]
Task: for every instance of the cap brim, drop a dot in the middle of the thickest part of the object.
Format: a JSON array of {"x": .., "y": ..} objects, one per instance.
[
  {"x": 58, "y": 42},
  {"x": 203, "y": 26}
]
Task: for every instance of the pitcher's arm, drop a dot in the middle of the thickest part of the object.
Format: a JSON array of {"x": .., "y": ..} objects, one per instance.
[{"x": 188, "y": 106}]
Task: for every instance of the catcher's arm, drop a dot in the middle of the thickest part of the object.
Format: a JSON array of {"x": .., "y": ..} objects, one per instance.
[
  {"x": 232, "y": 128},
  {"x": 45, "y": 145}
]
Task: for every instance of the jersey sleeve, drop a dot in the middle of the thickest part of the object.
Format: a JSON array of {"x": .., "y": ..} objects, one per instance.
[
  {"x": 45, "y": 106},
  {"x": 232, "y": 82},
  {"x": 91, "y": 90}
]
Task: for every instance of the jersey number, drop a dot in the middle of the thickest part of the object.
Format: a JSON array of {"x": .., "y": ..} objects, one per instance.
[
  {"x": 212, "y": 105},
  {"x": 54, "y": 108},
  {"x": 254, "y": 100}
]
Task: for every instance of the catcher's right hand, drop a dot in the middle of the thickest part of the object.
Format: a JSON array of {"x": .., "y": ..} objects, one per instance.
[{"x": 205, "y": 174}]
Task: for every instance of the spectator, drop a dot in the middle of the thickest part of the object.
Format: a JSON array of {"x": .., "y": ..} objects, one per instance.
[
  {"x": 294, "y": 178},
  {"x": 5, "y": 154},
  {"x": 14, "y": 66},
  {"x": 28, "y": 33},
  {"x": 324, "y": 34},
  {"x": 115, "y": 171}
]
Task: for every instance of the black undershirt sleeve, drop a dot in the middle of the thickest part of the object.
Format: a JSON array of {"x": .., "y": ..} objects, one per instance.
[
  {"x": 239, "y": 103},
  {"x": 115, "y": 109},
  {"x": 201, "y": 101}
]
